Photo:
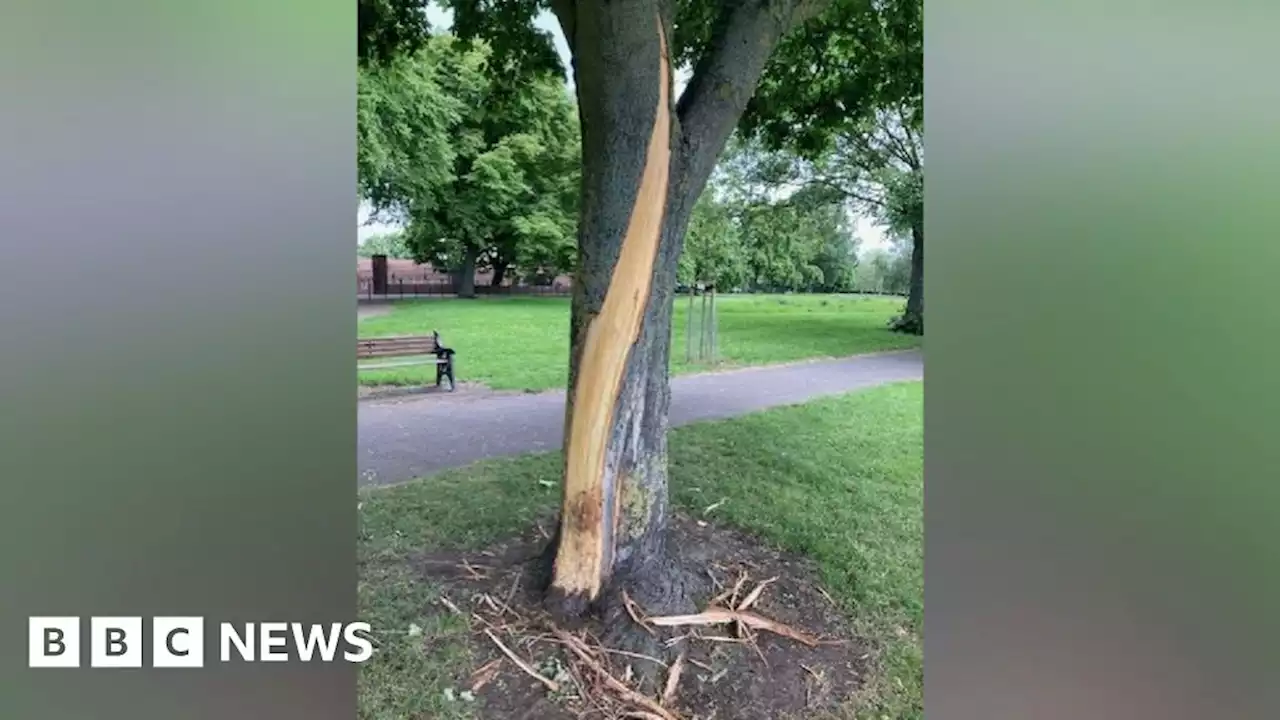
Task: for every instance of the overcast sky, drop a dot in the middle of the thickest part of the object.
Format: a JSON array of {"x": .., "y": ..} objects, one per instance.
[{"x": 441, "y": 19}]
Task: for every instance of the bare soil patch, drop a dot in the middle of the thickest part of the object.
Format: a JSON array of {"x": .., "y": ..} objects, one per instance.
[{"x": 525, "y": 667}]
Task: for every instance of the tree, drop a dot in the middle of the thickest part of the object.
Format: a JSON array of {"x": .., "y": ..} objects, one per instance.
[
  {"x": 513, "y": 196},
  {"x": 785, "y": 238},
  {"x": 714, "y": 250},
  {"x": 390, "y": 244},
  {"x": 405, "y": 122},
  {"x": 646, "y": 159},
  {"x": 479, "y": 163},
  {"x": 859, "y": 116}
]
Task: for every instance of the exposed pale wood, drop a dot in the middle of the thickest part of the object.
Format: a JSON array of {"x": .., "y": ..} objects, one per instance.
[{"x": 581, "y": 565}]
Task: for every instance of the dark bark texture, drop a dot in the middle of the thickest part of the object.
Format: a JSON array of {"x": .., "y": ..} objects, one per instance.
[
  {"x": 912, "y": 319},
  {"x": 499, "y": 272},
  {"x": 465, "y": 278}
]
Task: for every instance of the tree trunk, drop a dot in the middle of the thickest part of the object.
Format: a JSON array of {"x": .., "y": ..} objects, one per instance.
[
  {"x": 465, "y": 278},
  {"x": 615, "y": 487},
  {"x": 644, "y": 165},
  {"x": 912, "y": 319},
  {"x": 499, "y": 272}
]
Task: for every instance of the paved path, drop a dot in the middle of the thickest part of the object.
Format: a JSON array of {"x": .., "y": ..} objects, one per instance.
[{"x": 410, "y": 437}]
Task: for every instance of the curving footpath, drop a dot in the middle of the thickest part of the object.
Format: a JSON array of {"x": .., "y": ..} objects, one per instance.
[{"x": 407, "y": 438}]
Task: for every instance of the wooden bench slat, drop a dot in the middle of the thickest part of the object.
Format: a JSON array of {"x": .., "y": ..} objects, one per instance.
[
  {"x": 364, "y": 356},
  {"x": 396, "y": 345},
  {"x": 397, "y": 341},
  {"x": 377, "y": 346},
  {"x": 386, "y": 338}
]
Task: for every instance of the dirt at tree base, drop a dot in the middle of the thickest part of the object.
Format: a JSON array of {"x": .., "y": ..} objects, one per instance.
[{"x": 725, "y": 677}]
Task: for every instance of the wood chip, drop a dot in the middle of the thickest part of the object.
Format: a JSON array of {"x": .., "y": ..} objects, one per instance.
[
  {"x": 714, "y": 582},
  {"x": 730, "y": 594},
  {"x": 484, "y": 674},
  {"x": 511, "y": 593},
  {"x": 626, "y": 693},
  {"x": 552, "y": 685},
  {"x": 673, "y": 680},
  {"x": 637, "y": 656},
  {"x": 634, "y": 611},
  {"x": 720, "y": 616},
  {"x": 754, "y": 595}
]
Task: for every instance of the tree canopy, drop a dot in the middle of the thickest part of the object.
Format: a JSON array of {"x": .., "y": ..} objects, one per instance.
[
  {"x": 479, "y": 163},
  {"x": 746, "y": 234}
]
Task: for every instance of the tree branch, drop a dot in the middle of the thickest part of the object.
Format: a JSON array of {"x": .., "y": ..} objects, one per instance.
[
  {"x": 726, "y": 76},
  {"x": 566, "y": 12}
]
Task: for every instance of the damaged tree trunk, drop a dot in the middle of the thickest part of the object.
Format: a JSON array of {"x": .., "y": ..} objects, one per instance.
[
  {"x": 646, "y": 159},
  {"x": 615, "y": 485}
]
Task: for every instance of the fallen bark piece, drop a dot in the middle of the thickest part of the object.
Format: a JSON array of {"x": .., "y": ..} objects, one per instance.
[
  {"x": 754, "y": 595},
  {"x": 552, "y": 685},
  {"x": 673, "y": 680},
  {"x": 720, "y": 616},
  {"x": 631, "y": 696},
  {"x": 484, "y": 674},
  {"x": 634, "y": 611},
  {"x": 731, "y": 594}
]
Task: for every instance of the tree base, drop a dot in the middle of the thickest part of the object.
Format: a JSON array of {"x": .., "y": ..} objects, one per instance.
[
  {"x": 908, "y": 323},
  {"x": 724, "y": 676},
  {"x": 665, "y": 584}
]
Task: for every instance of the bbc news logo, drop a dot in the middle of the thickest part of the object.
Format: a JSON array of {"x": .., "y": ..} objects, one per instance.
[{"x": 179, "y": 642}]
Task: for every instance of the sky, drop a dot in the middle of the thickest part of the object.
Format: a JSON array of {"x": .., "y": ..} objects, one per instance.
[{"x": 871, "y": 233}]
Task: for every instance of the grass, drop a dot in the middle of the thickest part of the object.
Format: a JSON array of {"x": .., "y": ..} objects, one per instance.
[
  {"x": 523, "y": 343},
  {"x": 839, "y": 479}
]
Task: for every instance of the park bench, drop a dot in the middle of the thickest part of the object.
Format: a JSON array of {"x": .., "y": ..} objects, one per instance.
[{"x": 405, "y": 346}]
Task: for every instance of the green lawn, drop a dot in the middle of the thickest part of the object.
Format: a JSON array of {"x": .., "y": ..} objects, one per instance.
[
  {"x": 523, "y": 343},
  {"x": 838, "y": 479}
]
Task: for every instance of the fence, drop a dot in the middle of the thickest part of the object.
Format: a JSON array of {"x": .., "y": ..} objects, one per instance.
[{"x": 432, "y": 286}]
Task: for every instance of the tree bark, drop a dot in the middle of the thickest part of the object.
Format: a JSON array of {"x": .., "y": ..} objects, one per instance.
[
  {"x": 499, "y": 272},
  {"x": 615, "y": 490},
  {"x": 912, "y": 319},
  {"x": 465, "y": 278},
  {"x": 644, "y": 164}
]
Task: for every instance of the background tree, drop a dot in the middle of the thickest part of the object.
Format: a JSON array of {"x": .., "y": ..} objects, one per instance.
[
  {"x": 858, "y": 117},
  {"x": 646, "y": 159},
  {"x": 391, "y": 244},
  {"x": 513, "y": 197},
  {"x": 478, "y": 163},
  {"x": 406, "y": 119},
  {"x": 714, "y": 249},
  {"x": 786, "y": 238}
]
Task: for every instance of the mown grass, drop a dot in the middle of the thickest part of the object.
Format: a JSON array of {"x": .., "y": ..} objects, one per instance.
[
  {"x": 523, "y": 343},
  {"x": 839, "y": 479}
]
